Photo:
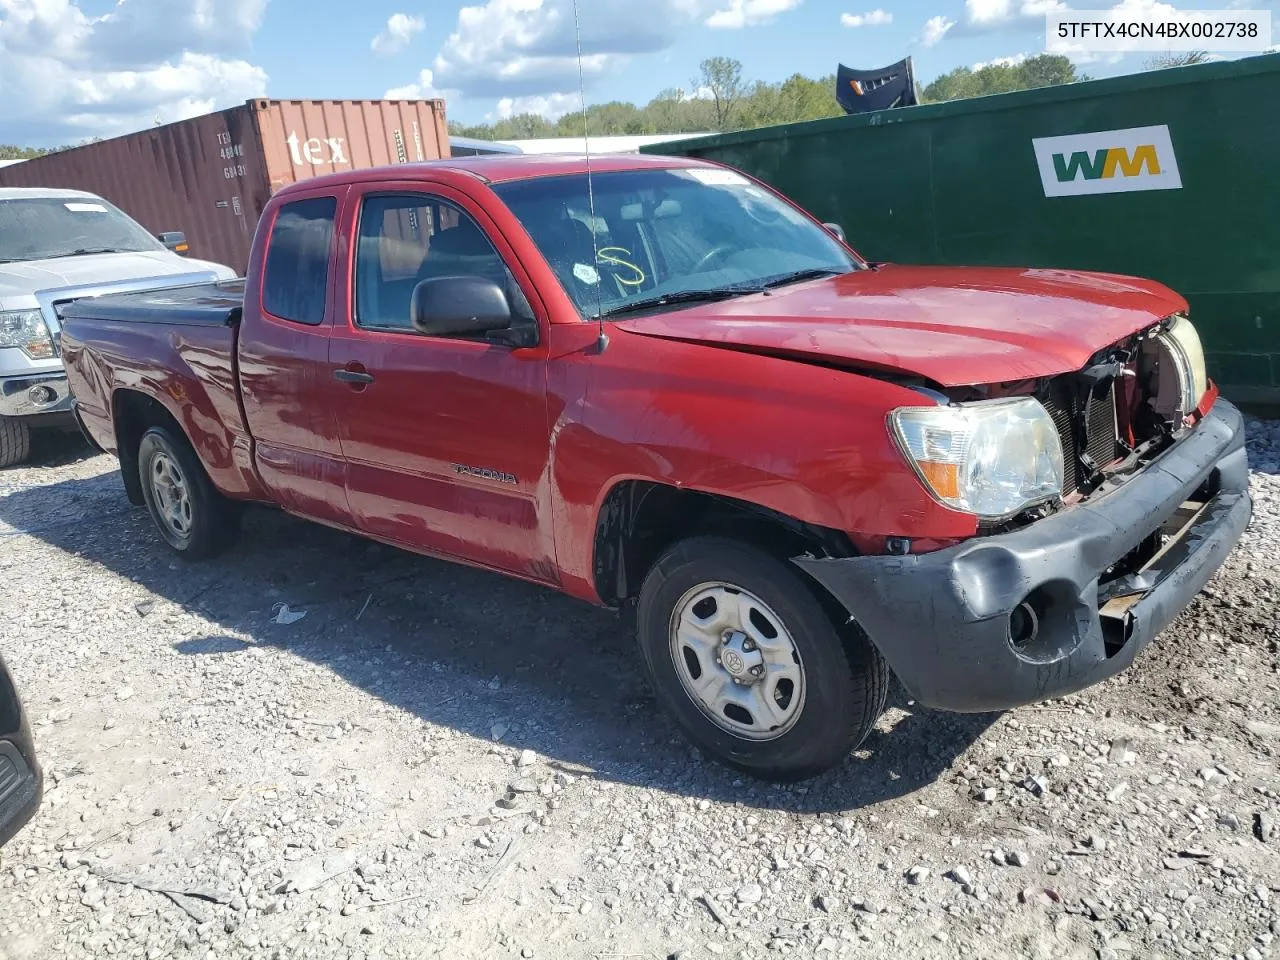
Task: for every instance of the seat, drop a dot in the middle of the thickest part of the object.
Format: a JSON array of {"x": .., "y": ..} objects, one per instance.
[
  {"x": 567, "y": 241},
  {"x": 462, "y": 251}
]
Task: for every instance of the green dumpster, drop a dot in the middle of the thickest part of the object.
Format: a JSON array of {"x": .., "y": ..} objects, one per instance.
[{"x": 1166, "y": 174}]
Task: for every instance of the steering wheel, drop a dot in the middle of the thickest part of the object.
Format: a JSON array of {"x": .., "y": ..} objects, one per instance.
[{"x": 719, "y": 250}]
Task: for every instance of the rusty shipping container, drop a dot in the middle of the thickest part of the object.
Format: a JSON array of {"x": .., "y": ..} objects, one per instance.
[{"x": 210, "y": 176}]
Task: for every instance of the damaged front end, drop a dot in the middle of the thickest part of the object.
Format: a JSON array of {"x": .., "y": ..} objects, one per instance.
[{"x": 1063, "y": 594}]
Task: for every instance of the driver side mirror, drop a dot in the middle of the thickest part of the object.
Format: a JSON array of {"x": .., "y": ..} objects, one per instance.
[
  {"x": 176, "y": 241},
  {"x": 836, "y": 230},
  {"x": 468, "y": 306}
]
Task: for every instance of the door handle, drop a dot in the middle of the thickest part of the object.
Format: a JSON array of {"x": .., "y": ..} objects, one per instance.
[{"x": 352, "y": 376}]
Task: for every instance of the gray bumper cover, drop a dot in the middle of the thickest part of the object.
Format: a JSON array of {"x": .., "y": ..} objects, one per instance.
[{"x": 941, "y": 619}]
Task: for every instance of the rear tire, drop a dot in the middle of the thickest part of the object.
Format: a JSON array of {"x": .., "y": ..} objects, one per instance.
[
  {"x": 191, "y": 516},
  {"x": 730, "y": 634},
  {"x": 15, "y": 441}
]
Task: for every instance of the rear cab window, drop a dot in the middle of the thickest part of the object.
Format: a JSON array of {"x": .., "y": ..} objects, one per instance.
[{"x": 295, "y": 281}]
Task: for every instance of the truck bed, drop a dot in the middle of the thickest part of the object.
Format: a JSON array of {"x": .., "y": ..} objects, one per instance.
[
  {"x": 174, "y": 346},
  {"x": 217, "y": 304}
]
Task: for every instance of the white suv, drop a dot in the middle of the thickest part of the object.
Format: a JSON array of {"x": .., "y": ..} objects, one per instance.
[{"x": 57, "y": 246}]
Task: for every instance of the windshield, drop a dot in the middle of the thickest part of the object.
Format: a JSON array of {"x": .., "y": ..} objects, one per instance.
[
  {"x": 40, "y": 228},
  {"x": 667, "y": 236}
]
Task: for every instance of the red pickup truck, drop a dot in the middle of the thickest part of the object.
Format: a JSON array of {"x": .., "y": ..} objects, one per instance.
[{"x": 655, "y": 381}]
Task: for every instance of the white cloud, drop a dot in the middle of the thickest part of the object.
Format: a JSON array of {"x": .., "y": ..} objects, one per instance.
[
  {"x": 1012, "y": 61},
  {"x": 424, "y": 89},
  {"x": 1144, "y": 8},
  {"x": 66, "y": 76},
  {"x": 1028, "y": 16},
  {"x": 519, "y": 48},
  {"x": 1081, "y": 54},
  {"x": 397, "y": 34},
  {"x": 989, "y": 14},
  {"x": 551, "y": 107},
  {"x": 874, "y": 18},
  {"x": 748, "y": 13},
  {"x": 511, "y": 48},
  {"x": 935, "y": 29}
]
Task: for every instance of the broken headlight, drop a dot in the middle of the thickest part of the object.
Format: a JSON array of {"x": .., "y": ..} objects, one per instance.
[{"x": 1173, "y": 361}]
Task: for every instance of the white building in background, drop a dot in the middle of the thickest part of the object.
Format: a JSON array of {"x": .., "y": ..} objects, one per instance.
[
  {"x": 595, "y": 144},
  {"x": 9, "y": 163}
]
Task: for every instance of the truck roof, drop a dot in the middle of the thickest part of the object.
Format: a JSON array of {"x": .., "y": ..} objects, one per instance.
[
  {"x": 23, "y": 193},
  {"x": 495, "y": 168}
]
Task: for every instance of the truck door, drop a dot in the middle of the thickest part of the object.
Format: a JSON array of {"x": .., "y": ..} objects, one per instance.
[
  {"x": 446, "y": 440},
  {"x": 284, "y": 361}
]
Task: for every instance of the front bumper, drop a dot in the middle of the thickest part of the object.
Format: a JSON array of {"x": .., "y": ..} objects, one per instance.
[
  {"x": 943, "y": 620},
  {"x": 33, "y": 394}
]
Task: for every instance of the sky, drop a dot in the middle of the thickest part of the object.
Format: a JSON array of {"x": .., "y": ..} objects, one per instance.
[{"x": 74, "y": 69}]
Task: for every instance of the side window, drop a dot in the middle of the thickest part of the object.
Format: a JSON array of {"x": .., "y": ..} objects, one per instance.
[
  {"x": 406, "y": 239},
  {"x": 296, "y": 277}
]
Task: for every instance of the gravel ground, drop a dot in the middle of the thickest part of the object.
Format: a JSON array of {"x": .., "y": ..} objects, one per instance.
[{"x": 441, "y": 762}]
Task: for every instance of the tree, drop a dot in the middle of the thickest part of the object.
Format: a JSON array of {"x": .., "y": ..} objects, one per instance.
[
  {"x": 720, "y": 99},
  {"x": 805, "y": 99},
  {"x": 668, "y": 112},
  {"x": 523, "y": 126},
  {"x": 721, "y": 77},
  {"x": 1045, "y": 70},
  {"x": 1185, "y": 58},
  {"x": 21, "y": 153}
]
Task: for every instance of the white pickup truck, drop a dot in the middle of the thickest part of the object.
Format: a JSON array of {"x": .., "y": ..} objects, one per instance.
[{"x": 57, "y": 246}]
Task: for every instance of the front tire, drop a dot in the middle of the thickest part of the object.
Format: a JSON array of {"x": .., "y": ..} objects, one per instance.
[
  {"x": 750, "y": 665},
  {"x": 15, "y": 441},
  {"x": 194, "y": 519}
]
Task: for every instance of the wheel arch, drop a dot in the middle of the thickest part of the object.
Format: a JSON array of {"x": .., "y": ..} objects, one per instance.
[
  {"x": 132, "y": 414},
  {"x": 639, "y": 519}
]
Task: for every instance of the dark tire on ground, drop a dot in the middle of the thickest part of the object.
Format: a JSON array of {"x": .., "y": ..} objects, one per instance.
[
  {"x": 845, "y": 678},
  {"x": 15, "y": 441},
  {"x": 210, "y": 522}
]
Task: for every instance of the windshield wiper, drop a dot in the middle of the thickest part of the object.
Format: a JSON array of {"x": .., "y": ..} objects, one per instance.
[
  {"x": 681, "y": 296},
  {"x": 82, "y": 252},
  {"x": 795, "y": 276}
]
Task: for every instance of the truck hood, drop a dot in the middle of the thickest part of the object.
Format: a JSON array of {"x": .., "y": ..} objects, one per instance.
[
  {"x": 25, "y": 279},
  {"x": 955, "y": 326}
]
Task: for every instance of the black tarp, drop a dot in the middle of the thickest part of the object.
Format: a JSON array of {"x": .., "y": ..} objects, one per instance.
[{"x": 862, "y": 91}]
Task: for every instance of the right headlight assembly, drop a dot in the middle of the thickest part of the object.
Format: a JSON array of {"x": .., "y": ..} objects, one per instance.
[{"x": 992, "y": 458}]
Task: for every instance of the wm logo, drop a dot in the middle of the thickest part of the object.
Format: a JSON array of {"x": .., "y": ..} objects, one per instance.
[
  {"x": 1105, "y": 164},
  {"x": 1107, "y": 161}
]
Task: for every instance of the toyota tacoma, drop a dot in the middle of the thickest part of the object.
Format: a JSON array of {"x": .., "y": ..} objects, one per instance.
[{"x": 655, "y": 382}]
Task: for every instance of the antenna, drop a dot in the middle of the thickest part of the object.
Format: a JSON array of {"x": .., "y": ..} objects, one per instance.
[{"x": 602, "y": 340}]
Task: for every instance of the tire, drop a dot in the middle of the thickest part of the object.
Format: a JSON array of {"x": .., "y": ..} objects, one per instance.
[
  {"x": 837, "y": 686},
  {"x": 15, "y": 441},
  {"x": 191, "y": 516}
]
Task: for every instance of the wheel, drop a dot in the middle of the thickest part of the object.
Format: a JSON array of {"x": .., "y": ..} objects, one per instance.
[
  {"x": 192, "y": 517},
  {"x": 15, "y": 441},
  {"x": 747, "y": 661}
]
